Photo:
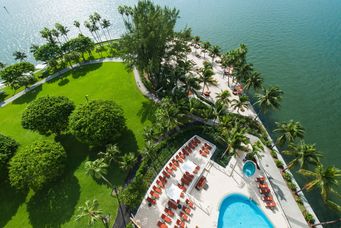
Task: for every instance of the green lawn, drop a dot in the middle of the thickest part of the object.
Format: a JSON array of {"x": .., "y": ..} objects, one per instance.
[{"x": 57, "y": 206}]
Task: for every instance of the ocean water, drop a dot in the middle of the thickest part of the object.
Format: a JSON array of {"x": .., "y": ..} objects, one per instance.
[{"x": 295, "y": 44}]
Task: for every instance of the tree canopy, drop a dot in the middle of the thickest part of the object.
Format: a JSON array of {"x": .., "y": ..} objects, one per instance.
[
  {"x": 79, "y": 44},
  {"x": 48, "y": 115},
  {"x": 8, "y": 146},
  {"x": 14, "y": 75},
  {"x": 47, "y": 53},
  {"x": 37, "y": 165},
  {"x": 97, "y": 122}
]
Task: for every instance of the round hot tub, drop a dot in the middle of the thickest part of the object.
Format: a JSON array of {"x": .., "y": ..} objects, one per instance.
[{"x": 249, "y": 168}]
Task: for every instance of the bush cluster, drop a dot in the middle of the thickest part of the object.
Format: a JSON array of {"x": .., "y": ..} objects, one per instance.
[{"x": 8, "y": 146}]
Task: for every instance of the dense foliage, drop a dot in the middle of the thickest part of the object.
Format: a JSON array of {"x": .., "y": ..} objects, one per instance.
[
  {"x": 18, "y": 74},
  {"x": 97, "y": 122},
  {"x": 48, "y": 115},
  {"x": 80, "y": 44},
  {"x": 8, "y": 146},
  {"x": 134, "y": 192},
  {"x": 37, "y": 165},
  {"x": 48, "y": 53}
]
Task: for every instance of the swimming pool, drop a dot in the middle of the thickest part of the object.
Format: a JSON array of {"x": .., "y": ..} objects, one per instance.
[{"x": 237, "y": 210}]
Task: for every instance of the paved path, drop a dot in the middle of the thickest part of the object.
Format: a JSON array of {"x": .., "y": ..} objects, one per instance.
[{"x": 139, "y": 83}]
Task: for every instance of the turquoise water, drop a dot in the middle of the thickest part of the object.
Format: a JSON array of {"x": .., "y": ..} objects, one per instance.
[
  {"x": 238, "y": 211},
  {"x": 295, "y": 44},
  {"x": 249, "y": 168}
]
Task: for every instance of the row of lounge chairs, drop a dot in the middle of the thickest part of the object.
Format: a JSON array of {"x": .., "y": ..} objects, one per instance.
[
  {"x": 184, "y": 214},
  {"x": 266, "y": 193},
  {"x": 205, "y": 150}
]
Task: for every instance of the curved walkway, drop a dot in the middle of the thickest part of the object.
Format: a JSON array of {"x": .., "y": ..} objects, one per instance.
[{"x": 139, "y": 83}]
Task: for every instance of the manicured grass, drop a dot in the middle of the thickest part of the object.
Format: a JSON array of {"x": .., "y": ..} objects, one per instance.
[{"x": 57, "y": 206}]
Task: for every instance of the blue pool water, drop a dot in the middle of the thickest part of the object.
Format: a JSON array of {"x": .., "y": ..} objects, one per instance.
[
  {"x": 249, "y": 168},
  {"x": 238, "y": 211}
]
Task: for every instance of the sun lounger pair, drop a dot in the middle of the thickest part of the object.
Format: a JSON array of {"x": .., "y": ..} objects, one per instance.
[
  {"x": 151, "y": 201},
  {"x": 160, "y": 184},
  {"x": 267, "y": 198},
  {"x": 180, "y": 223},
  {"x": 184, "y": 181},
  {"x": 264, "y": 190},
  {"x": 165, "y": 174},
  {"x": 156, "y": 189},
  {"x": 187, "y": 210},
  {"x": 263, "y": 186},
  {"x": 169, "y": 212},
  {"x": 203, "y": 154},
  {"x": 162, "y": 225},
  {"x": 182, "y": 187},
  {"x": 184, "y": 217},
  {"x": 190, "y": 204},
  {"x": 270, "y": 204},
  {"x": 166, "y": 218},
  {"x": 172, "y": 204},
  {"x": 154, "y": 194},
  {"x": 177, "y": 157}
]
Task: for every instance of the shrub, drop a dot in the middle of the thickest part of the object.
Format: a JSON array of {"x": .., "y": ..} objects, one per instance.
[
  {"x": 273, "y": 154},
  {"x": 133, "y": 194},
  {"x": 292, "y": 186},
  {"x": 309, "y": 217},
  {"x": 298, "y": 199},
  {"x": 8, "y": 147},
  {"x": 37, "y": 165},
  {"x": 287, "y": 177},
  {"x": 97, "y": 122},
  {"x": 279, "y": 164},
  {"x": 48, "y": 115}
]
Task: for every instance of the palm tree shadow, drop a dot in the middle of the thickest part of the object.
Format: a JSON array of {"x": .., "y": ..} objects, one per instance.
[
  {"x": 10, "y": 200},
  {"x": 147, "y": 111},
  {"x": 29, "y": 96},
  {"x": 54, "y": 206}
]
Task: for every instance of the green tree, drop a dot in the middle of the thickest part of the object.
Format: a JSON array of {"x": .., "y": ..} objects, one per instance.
[
  {"x": 37, "y": 165},
  {"x": 105, "y": 24},
  {"x": 240, "y": 104},
  {"x": 128, "y": 161},
  {"x": 97, "y": 169},
  {"x": 80, "y": 44},
  {"x": 48, "y": 115},
  {"x": 2, "y": 65},
  {"x": 63, "y": 30},
  {"x": 288, "y": 132},
  {"x": 48, "y": 53},
  {"x": 191, "y": 84},
  {"x": 215, "y": 51},
  {"x": 303, "y": 155},
  {"x": 47, "y": 35},
  {"x": 243, "y": 72},
  {"x": 149, "y": 32},
  {"x": 77, "y": 25},
  {"x": 91, "y": 210},
  {"x": 97, "y": 122},
  {"x": 8, "y": 146},
  {"x": 111, "y": 153},
  {"x": 14, "y": 75},
  {"x": 19, "y": 55},
  {"x": 325, "y": 179},
  {"x": 234, "y": 138},
  {"x": 224, "y": 98},
  {"x": 254, "y": 81},
  {"x": 206, "y": 76},
  {"x": 206, "y": 46},
  {"x": 133, "y": 194},
  {"x": 269, "y": 99}
]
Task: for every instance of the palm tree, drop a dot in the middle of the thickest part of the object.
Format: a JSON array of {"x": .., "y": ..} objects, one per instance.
[
  {"x": 191, "y": 84},
  {"x": 270, "y": 99},
  {"x": 196, "y": 41},
  {"x": 2, "y": 65},
  {"x": 105, "y": 25},
  {"x": 63, "y": 30},
  {"x": 34, "y": 48},
  {"x": 19, "y": 55},
  {"x": 56, "y": 34},
  {"x": 215, "y": 50},
  {"x": 326, "y": 179},
  {"x": 255, "y": 81},
  {"x": 240, "y": 104},
  {"x": 46, "y": 34},
  {"x": 288, "y": 132},
  {"x": 88, "y": 25},
  {"x": 224, "y": 97},
  {"x": 128, "y": 161},
  {"x": 168, "y": 116},
  {"x": 77, "y": 24},
  {"x": 206, "y": 47},
  {"x": 97, "y": 169},
  {"x": 243, "y": 72},
  {"x": 206, "y": 76},
  {"x": 90, "y": 209},
  {"x": 234, "y": 139},
  {"x": 111, "y": 153},
  {"x": 304, "y": 154}
]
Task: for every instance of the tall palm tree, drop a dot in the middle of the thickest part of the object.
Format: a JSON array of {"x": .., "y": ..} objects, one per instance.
[
  {"x": 206, "y": 76},
  {"x": 254, "y": 81},
  {"x": 90, "y": 209},
  {"x": 240, "y": 104},
  {"x": 19, "y": 55},
  {"x": 304, "y": 154},
  {"x": 88, "y": 25},
  {"x": 234, "y": 138},
  {"x": 63, "y": 30},
  {"x": 215, "y": 50},
  {"x": 128, "y": 161},
  {"x": 105, "y": 25},
  {"x": 168, "y": 116},
  {"x": 325, "y": 179},
  {"x": 46, "y": 34},
  {"x": 243, "y": 72},
  {"x": 191, "y": 84},
  {"x": 224, "y": 97},
  {"x": 97, "y": 169},
  {"x": 111, "y": 154},
  {"x": 206, "y": 47},
  {"x": 34, "y": 48},
  {"x": 2, "y": 65},
  {"x": 77, "y": 24},
  {"x": 56, "y": 34},
  {"x": 288, "y": 132},
  {"x": 269, "y": 99}
]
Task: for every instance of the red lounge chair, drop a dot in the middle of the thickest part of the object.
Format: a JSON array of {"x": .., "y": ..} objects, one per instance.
[
  {"x": 154, "y": 194},
  {"x": 156, "y": 189},
  {"x": 184, "y": 181},
  {"x": 169, "y": 171},
  {"x": 185, "y": 152},
  {"x": 184, "y": 217},
  {"x": 162, "y": 225},
  {"x": 180, "y": 223},
  {"x": 267, "y": 198},
  {"x": 169, "y": 212},
  {"x": 183, "y": 188},
  {"x": 271, "y": 204},
  {"x": 175, "y": 162},
  {"x": 188, "y": 179},
  {"x": 173, "y": 167},
  {"x": 179, "y": 159},
  {"x": 186, "y": 210},
  {"x": 150, "y": 200},
  {"x": 263, "y": 186},
  {"x": 260, "y": 179},
  {"x": 161, "y": 185},
  {"x": 166, "y": 218},
  {"x": 203, "y": 154},
  {"x": 188, "y": 174},
  {"x": 165, "y": 174},
  {"x": 190, "y": 204},
  {"x": 172, "y": 204},
  {"x": 182, "y": 155},
  {"x": 264, "y": 191}
]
